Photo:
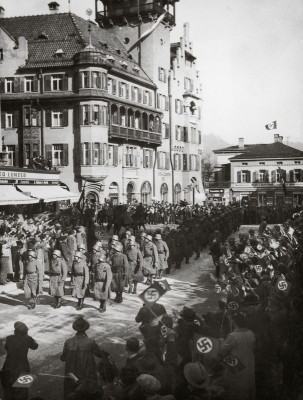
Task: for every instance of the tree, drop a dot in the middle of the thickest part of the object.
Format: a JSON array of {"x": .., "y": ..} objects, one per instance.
[{"x": 208, "y": 167}]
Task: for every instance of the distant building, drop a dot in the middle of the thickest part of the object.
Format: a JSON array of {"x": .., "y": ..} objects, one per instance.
[
  {"x": 261, "y": 174},
  {"x": 120, "y": 125}
]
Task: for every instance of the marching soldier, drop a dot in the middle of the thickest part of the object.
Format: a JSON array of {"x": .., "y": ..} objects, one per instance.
[
  {"x": 58, "y": 274},
  {"x": 169, "y": 238},
  {"x": 111, "y": 243},
  {"x": 125, "y": 241},
  {"x": 180, "y": 248},
  {"x": 150, "y": 260},
  {"x": 102, "y": 280},
  {"x": 80, "y": 278},
  {"x": 135, "y": 262},
  {"x": 163, "y": 253},
  {"x": 119, "y": 271},
  {"x": 32, "y": 277}
]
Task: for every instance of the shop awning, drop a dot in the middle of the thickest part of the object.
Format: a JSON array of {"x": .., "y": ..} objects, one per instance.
[
  {"x": 9, "y": 195},
  {"x": 49, "y": 193}
]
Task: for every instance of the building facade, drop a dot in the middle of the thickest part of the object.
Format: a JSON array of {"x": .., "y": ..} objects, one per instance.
[
  {"x": 261, "y": 174},
  {"x": 120, "y": 124}
]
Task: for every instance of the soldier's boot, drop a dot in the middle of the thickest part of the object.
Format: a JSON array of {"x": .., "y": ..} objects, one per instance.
[
  {"x": 34, "y": 302},
  {"x": 81, "y": 304},
  {"x": 56, "y": 302},
  {"x": 187, "y": 260},
  {"x": 101, "y": 308},
  {"x": 120, "y": 299},
  {"x": 59, "y": 304},
  {"x": 130, "y": 289},
  {"x": 160, "y": 273},
  {"x": 178, "y": 265},
  {"x": 78, "y": 305},
  {"x": 167, "y": 270},
  {"x": 135, "y": 288},
  {"x": 104, "y": 306}
]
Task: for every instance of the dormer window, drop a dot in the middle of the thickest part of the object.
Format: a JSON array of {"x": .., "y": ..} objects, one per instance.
[
  {"x": 136, "y": 68},
  {"x": 110, "y": 58},
  {"x": 118, "y": 51},
  {"x": 43, "y": 35},
  {"x": 124, "y": 64},
  {"x": 103, "y": 44},
  {"x": 261, "y": 163},
  {"x": 59, "y": 53}
]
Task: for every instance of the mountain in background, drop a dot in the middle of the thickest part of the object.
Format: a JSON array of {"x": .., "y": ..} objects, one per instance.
[
  {"x": 296, "y": 145},
  {"x": 213, "y": 142}
]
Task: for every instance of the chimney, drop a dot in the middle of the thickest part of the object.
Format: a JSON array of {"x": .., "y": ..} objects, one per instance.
[
  {"x": 53, "y": 7},
  {"x": 241, "y": 143},
  {"x": 276, "y": 137},
  {"x": 2, "y": 12},
  {"x": 280, "y": 139},
  {"x": 186, "y": 34}
]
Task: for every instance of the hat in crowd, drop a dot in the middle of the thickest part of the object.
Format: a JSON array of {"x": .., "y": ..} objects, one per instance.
[
  {"x": 80, "y": 325},
  {"x": 143, "y": 234},
  {"x": 96, "y": 247},
  {"x": 148, "y": 383},
  {"x": 63, "y": 236},
  {"x": 148, "y": 364},
  {"x": 128, "y": 233},
  {"x": 149, "y": 237},
  {"x": 132, "y": 241},
  {"x": 82, "y": 247},
  {"x": 32, "y": 254},
  {"x": 20, "y": 327},
  {"x": 188, "y": 314},
  {"x": 118, "y": 247},
  {"x": 102, "y": 256},
  {"x": 78, "y": 254},
  {"x": 132, "y": 344},
  {"x": 57, "y": 253},
  {"x": 115, "y": 238},
  {"x": 196, "y": 375},
  {"x": 158, "y": 236}
]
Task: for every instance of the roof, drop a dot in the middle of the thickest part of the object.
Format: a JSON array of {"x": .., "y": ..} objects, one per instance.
[
  {"x": 266, "y": 151},
  {"x": 48, "y": 33}
]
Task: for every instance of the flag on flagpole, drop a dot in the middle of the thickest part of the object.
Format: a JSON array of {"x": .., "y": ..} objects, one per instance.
[{"x": 272, "y": 125}]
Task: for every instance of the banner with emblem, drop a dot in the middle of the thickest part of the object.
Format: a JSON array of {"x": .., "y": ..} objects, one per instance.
[
  {"x": 282, "y": 286},
  {"x": 233, "y": 363},
  {"x": 153, "y": 293},
  {"x": 25, "y": 381},
  {"x": 206, "y": 346}
]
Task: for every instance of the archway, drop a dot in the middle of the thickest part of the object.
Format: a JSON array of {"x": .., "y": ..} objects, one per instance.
[
  {"x": 137, "y": 120},
  {"x": 130, "y": 118},
  {"x": 145, "y": 121},
  {"x": 113, "y": 193},
  {"x": 91, "y": 199},
  {"x": 146, "y": 192},
  {"x": 177, "y": 193},
  {"x": 130, "y": 191},
  {"x": 122, "y": 116},
  {"x": 164, "y": 192}
]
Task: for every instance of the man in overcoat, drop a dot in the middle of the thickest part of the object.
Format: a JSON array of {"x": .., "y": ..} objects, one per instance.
[
  {"x": 120, "y": 271},
  {"x": 58, "y": 274},
  {"x": 102, "y": 280},
  {"x": 80, "y": 278}
]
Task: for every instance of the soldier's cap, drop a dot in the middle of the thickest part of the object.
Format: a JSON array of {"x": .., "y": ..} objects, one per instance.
[
  {"x": 196, "y": 375},
  {"x": 80, "y": 325},
  {"x": 20, "y": 327},
  {"x": 128, "y": 233},
  {"x": 118, "y": 247},
  {"x": 132, "y": 240},
  {"x": 115, "y": 238},
  {"x": 57, "y": 253},
  {"x": 31, "y": 253},
  {"x": 78, "y": 254},
  {"x": 158, "y": 236},
  {"x": 143, "y": 234},
  {"x": 102, "y": 256},
  {"x": 96, "y": 247}
]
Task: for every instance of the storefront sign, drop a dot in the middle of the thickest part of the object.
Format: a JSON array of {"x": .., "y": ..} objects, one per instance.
[
  {"x": 216, "y": 191},
  {"x": 29, "y": 176}
]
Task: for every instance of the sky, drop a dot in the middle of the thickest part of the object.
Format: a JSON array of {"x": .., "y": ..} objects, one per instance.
[{"x": 250, "y": 54}]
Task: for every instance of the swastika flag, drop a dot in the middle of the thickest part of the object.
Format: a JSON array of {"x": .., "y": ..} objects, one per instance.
[
  {"x": 282, "y": 286},
  {"x": 272, "y": 125},
  {"x": 25, "y": 381},
  {"x": 206, "y": 346},
  {"x": 153, "y": 293},
  {"x": 233, "y": 363}
]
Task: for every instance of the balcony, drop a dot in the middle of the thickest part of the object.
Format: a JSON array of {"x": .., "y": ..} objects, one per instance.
[
  {"x": 135, "y": 135},
  {"x": 217, "y": 185}
]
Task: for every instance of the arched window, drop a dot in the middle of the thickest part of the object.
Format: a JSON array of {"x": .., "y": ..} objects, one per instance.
[
  {"x": 113, "y": 193},
  {"x": 114, "y": 113},
  {"x": 130, "y": 190},
  {"x": 145, "y": 122},
  {"x": 157, "y": 125},
  {"x": 151, "y": 123},
  {"x": 164, "y": 192},
  {"x": 137, "y": 120},
  {"x": 122, "y": 116},
  {"x": 130, "y": 118},
  {"x": 146, "y": 192},
  {"x": 177, "y": 193}
]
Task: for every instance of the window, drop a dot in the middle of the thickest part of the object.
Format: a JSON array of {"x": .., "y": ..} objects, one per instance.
[
  {"x": 162, "y": 102},
  {"x": 29, "y": 84},
  {"x": 185, "y": 164},
  {"x": 188, "y": 85},
  {"x": 57, "y": 119},
  {"x": 165, "y": 130},
  {"x": 147, "y": 158},
  {"x": 162, "y": 75},
  {"x": 86, "y": 114},
  {"x": 193, "y": 135},
  {"x": 32, "y": 116},
  {"x": 162, "y": 160},
  {"x": 57, "y": 154},
  {"x": 11, "y": 159},
  {"x": 27, "y": 154},
  {"x": 8, "y": 120},
  {"x": 244, "y": 163},
  {"x": 200, "y": 137},
  {"x": 85, "y": 153},
  {"x": 185, "y": 134},
  {"x": 130, "y": 156},
  {"x": 112, "y": 155},
  {"x": 298, "y": 200},
  {"x": 262, "y": 199},
  {"x": 296, "y": 162},
  {"x": 297, "y": 175},
  {"x": 112, "y": 86},
  {"x": 57, "y": 82},
  {"x": 35, "y": 150},
  {"x": 177, "y": 162},
  {"x": 262, "y": 175},
  {"x": 261, "y": 163},
  {"x": 178, "y": 106},
  {"x": 96, "y": 79},
  {"x": 95, "y": 116},
  {"x": 146, "y": 97},
  {"x": 245, "y": 176},
  {"x": 9, "y": 85}
]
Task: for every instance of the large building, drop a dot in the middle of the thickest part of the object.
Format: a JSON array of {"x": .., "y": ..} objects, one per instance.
[
  {"x": 261, "y": 174},
  {"x": 115, "y": 106}
]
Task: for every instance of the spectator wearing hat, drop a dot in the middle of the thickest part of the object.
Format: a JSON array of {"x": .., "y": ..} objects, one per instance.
[
  {"x": 16, "y": 361},
  {"x": 81, "y": 236},
  {"x": 80, "y": 278},
  {"x": 128, "y": 388},
  {"x": 150, "y": 260},
  {"x": 78, "y": 355},
  {"x": 215, "y": 251},
  {"x": 150, "y": 386},
  {"x": 58, "y": 275},
  {"x": 32, "y": 276},
  {"x": 102, "y": 280},
  {"x": 125, "y": 241},
  {"x": 132, "y": 348},
  {"x": 197, "y": 380},
  {"x": 135, "y": 263},
  {"x": 120, "y": 269},
  {"x": 163, "y": 253},
  {"x": 240, "y": 342}
]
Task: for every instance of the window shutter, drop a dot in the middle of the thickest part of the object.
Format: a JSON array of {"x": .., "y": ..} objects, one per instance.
[
  {"x": 165, "y": 75},
  {"x": 166, "y": 131},
  {"x": 48, "y": 152},
  {"x": 301, "y": 175},
  {"x": 200, "y": 137},
  {"x": 120, "y": 89},
  {"x": 89, "y": 154},
  {"x": 65, "y": 154},
  {"x": 35, "y": 84},
  {"x": 101, "y": 152},
  {"x": 145, "y": 97},
  {"x": 140, "y": 95},
  {"x": 199, "y": 112},
  {"x": 47, "y": 83},
  {"x": 181, "y": 107},
  {"x": 104, "y": 81},
  {"x": 127, "y": 90},
  {"x": 16, "y": 160},
  {"x": 283, "y": 174},
  {"x": 114, "y": 86},
  {"x": 190, "y": 162},
  {"x": 48, "y": 118},
  {"x": 158, "y": 101},
  {"x": 81, "y": 112},
  {"x": 198, "y": 162},
  {"x": 105, "y": 152},
  {"x": 2, "y": 85},
  {"x": 65, "y": 117},
  {"x": 145, "y": 165},
  {"x": 159, "y": 72},
  {"x": 291, "y": 176},
  {"x": 184, "y": 162},
  {"x": 65, "y": 82},
  {"x": 166, "y": 103},
  {"x": 176, "y": 105},
  {"x": 3, "y": 119},
  {"x": 150, "y": 98},
  {"x": 185, "y": 130},
  {"x": 239, "y": 177},
  {"x": 100, "y": 116},
  {"x": 175, "y": 162},
  {"x": 99, "y": 81},
  {"x": 166, "y": 160},
  {"x": 81, "y": 153},
  {"x": 191, "y": 85},
  {"x": 115, "y": 156},
  {"x": 185, "y": 86},
  {"x": 254, "y": 176},
  {"x": 133, "y": 93},
  {"x": 248, "y": 176},
  {"x": 105, "y": 110},
  {"x": 150, "y": 159},
  {"x": 21, "y": 88},
  {"x": 16, "y": 84},
  {"x": 177, "y": 138},
  {"x": 266, "y": 176},
  {"x": 16, "y": 119},
  {"x": 273, "y": 176},
  {"x": 158, "y": 160}
]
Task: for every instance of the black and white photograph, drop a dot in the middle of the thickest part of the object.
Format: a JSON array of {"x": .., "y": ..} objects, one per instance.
[{"x": 151, "y": 200}]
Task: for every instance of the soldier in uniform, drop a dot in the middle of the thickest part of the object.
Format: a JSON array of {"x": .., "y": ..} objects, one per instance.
[
  {"x": 197, "y": 240},
  {"x": 169, "y": 238},
  {"x": 180, "y": 248},
  {"x": 102, "y": 280},
  {"x": 80, "y": 278},
  {"x": 142, "y": 241},
  {"x": 58, "y": 274},
  {"x": 135, "y": 262},
  {"x": 119, "y": 271},
  {"x": 163, "y": 253},
  {"x": 150, "y": 260},
  {"x": 111, "y": 243},
  {"x": 31, "y": 278},
  {"x": 125, "y": 241}
]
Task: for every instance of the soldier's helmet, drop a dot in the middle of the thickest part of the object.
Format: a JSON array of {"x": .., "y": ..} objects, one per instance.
[
  {"x": 78, "y": 254},
  {"x": 57, "y": 253},
  {"x": 118, "y": 247},
  {"x": 32, "y": 254},
  {"x": 115, "y": 238},
  {"x": 102, "y": 256},
  {"x": 81, "y": 247},
  {"x": 96, "y": 247},
  {"x": 158, "y": 236},
  {"x": 132, "y": 241},
  {"x": 149, "y": 238}
]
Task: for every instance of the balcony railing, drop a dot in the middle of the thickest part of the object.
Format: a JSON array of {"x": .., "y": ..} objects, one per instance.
[
  {"x": 140, "y": 135},
  {"x": 216, "y": 185}
]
